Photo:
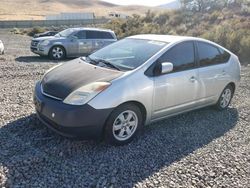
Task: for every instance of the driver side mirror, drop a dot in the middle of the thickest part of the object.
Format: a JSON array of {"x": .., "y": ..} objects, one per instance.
[
  {"x": 163, "y": 68},
  {"x": 166, "y": 67}
]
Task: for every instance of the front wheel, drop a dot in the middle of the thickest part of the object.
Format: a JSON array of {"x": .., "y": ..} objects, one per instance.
[
  {"x": 225, "y": 98},
  {"x": 123, "y": 124},
  {"x": 57, "y": 53}
]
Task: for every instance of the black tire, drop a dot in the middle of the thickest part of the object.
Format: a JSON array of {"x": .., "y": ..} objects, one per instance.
[
  {"x": 220, "y": 105},
  {"x": 111, "y": 134},
  {"x": 57, "y": 53}
]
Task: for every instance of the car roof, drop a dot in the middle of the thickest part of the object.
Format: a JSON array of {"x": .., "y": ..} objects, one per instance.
[
  {"x": 175, "y": 39},
  {"x": 92, "y": 29},
  {"x": 166, "y": 38}
]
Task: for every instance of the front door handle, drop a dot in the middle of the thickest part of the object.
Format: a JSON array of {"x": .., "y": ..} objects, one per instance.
[{"x": 192, "y": 79}]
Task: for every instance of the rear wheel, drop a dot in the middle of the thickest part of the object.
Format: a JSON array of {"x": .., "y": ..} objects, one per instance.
[
  {"x": 123, "y": 124},
  {"x": 225, "y": 98},
  {"x": 57, "y": 53}
]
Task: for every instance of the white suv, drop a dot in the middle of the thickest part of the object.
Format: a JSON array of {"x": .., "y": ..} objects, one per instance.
[{"x": 1, "y": 47}]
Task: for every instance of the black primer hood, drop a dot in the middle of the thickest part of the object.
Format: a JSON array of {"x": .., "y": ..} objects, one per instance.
[{"x": 68, "y": 77}]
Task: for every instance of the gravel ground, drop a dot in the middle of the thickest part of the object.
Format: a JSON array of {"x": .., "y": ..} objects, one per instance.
[{"x": 204, "y": 148}]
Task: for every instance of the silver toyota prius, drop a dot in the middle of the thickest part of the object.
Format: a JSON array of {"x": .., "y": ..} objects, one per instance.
[{"x": 141, "y": 79}]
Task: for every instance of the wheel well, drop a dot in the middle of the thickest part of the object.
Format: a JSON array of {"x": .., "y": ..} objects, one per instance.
[
  {"x": 232, "y": 85},
  {"x": 141, "y": 107},
  {"x": 59, "y": 46}
]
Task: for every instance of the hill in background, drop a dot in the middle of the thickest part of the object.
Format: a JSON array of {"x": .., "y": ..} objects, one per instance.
[
  {"x": 37, "y": 9},
  {"x": 172, "y": 5}
]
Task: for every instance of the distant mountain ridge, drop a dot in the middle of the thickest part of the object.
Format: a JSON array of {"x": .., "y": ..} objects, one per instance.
[{"x": 172, "y": 5}]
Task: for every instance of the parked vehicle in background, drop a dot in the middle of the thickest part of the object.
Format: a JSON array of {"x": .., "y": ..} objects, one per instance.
[
  {"x": 1, "y": 47},
  {"x": 73, "y": 42},
  {"x": 135, "y": 81},
  {"x": 46, "y": 34}
]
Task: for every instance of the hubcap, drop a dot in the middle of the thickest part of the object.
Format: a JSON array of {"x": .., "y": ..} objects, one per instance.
[
  {"x": 225, "y": 98},
  {"x": 57, "y": 52},
  {"x": 125, "y": 125}
]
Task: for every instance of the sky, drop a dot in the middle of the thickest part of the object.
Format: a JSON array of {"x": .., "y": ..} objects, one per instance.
[{"x": 139, "y": 2}]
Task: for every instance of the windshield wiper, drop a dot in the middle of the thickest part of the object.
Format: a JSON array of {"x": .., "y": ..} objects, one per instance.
[
  {"x": 91, "y": 61},
  {"x": 108, "y": 64},
  {"x": 97, "y": 61}
]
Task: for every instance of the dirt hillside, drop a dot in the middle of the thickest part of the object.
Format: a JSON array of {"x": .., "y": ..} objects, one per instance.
[{"x": 37, "y": 9}]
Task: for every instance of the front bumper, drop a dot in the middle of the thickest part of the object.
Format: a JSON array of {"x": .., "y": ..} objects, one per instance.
[
  {"x": 40, "y": 50},
  {"x": 83, "y": 122}
]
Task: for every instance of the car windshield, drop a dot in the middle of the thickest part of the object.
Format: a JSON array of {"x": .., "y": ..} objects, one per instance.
[
  {"x": 128, "y": 54},
  {"x": 65, "y": 33}
]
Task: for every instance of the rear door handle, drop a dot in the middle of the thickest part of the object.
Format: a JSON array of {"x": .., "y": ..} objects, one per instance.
[
  {"x": 223, "y": 72},
  {"x": 192, "y": 79}
]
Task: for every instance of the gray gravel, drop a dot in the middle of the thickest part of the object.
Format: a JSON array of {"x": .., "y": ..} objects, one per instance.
[{"x": 204, "y": 148}]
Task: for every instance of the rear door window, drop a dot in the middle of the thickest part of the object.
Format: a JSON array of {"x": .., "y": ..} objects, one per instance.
[
  {"x": 90, "y": 35},
  {"x": 98, "y": 35},
  {"x": 211, "y": 55}
]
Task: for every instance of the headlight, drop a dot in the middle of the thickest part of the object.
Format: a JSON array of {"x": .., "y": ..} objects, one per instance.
[
  {"x": 84, "y": 94},
  {"x": 44, "y": 43}
]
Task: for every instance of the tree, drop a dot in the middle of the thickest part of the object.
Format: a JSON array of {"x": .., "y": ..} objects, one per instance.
[
  {"x": 196, "y": 5},
  {"x": 162, "y": 18},
  {"x": 205, "y": 5},
  {"x": 149, "y": 17}
]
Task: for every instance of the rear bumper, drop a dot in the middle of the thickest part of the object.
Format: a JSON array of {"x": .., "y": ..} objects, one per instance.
[{"x": 83, "y": 121}]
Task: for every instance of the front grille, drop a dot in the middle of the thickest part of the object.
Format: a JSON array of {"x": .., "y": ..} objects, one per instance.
[
  {"x": 33, "y": 48},
  {"x": 48, "y": 95},
  {"x": 34, "y": 43}
]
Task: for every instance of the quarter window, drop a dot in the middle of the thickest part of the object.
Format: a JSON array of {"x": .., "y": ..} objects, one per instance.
[
  {"x": 106, "y": 35},
  {"x": 225, "y": 56},
  {"x": 181, "y": 55},
  {"x": 210, "y": 55}
]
